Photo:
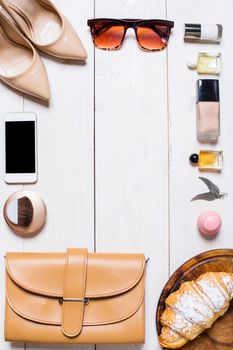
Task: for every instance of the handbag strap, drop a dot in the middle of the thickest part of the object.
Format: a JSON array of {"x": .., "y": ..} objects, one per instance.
[{"x": 74, "y": 292}]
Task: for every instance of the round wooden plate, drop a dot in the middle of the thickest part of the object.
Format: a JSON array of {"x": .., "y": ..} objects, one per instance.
[{"x": 220, "y": 335}]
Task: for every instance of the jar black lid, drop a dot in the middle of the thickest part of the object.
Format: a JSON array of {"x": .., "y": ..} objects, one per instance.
[{"x": 208, "y": 90}]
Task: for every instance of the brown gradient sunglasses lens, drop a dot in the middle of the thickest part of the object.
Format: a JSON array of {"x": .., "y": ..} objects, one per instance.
[
  {"x": 107, "y": 35},
  {"x": 153, "y": 38}
]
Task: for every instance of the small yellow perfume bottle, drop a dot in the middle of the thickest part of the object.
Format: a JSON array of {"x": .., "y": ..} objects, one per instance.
[
  {"x": 206, "y": 63},
  {"x": 207, "y": 160}
]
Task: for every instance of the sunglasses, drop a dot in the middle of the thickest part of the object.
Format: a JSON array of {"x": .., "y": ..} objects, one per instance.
[{"x": 109, "y": 34}]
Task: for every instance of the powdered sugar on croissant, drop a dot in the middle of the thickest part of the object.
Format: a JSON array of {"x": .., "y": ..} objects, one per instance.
[{"x": 195, "y": 307}]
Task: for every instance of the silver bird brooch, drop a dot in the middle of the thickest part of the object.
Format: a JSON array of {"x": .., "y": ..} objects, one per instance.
[{"x": 214, "y": 192}]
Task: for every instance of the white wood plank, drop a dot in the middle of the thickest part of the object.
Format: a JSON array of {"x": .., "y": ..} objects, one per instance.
[
  {"x": 65, "y": 150},
  {"x": 10, "y": 101},
  {"x": 185, "y": 238},
  {"x": 65, "y": 134},
  {"x": 132, "y": 153}
]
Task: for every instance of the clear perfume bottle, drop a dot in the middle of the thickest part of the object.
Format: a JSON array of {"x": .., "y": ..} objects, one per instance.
[
  {"x": 206, "y": 63},
  {"x": 208, "y": 110},
  {"x": 207, "y": 160}
]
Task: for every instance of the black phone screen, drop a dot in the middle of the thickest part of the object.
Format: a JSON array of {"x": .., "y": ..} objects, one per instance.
[{"x": 20, "y": 147}]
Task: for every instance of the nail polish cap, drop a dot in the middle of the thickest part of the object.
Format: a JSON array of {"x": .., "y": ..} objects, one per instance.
[
  {"x": 209, "y": 223},
  {"x": 202, "y": 32},
  {"x": 207, "y": 90}
]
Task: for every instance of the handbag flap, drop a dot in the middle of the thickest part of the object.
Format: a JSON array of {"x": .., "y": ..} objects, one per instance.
[
  {"x": 114, "y": 287},
  {"x": 107, "y": 274}
]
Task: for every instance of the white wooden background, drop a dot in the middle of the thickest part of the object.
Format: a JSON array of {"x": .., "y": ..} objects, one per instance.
[{"x": 114, "y": 146}]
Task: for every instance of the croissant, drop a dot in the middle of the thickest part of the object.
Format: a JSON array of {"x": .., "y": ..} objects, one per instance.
[{"x": 195, "y": 307}]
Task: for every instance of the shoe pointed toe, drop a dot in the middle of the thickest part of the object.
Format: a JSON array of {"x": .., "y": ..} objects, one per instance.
[
  {"x": 68, "y": 45},
  {"x": 34, "y": 81}
]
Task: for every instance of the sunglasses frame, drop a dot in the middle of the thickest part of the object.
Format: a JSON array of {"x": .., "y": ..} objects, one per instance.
[{"x": 134, "y": 24}]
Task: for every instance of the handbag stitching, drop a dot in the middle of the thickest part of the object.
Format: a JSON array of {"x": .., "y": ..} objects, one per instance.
[
  {"x": 6, "y": 321},
  {"x": 90, "y": 323},
  {"x": 42, "y": 292},
  {"x": 19, "y": 313},
  {"x": 66, "y": 277}
]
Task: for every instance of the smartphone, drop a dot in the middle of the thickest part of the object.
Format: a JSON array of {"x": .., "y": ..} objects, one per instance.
[{"x": 20, "y": 141}]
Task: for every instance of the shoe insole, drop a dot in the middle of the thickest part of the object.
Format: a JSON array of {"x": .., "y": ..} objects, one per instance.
[
  {"x": 41, "y": 24},
  {"x": 14, "y": 59}
]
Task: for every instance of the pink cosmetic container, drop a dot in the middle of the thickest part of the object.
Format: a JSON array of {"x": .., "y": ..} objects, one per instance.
[{"x": 209, "y": 223}]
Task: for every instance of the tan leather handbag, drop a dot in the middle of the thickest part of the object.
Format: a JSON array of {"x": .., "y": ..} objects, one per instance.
[{"x": 74, "y": 297}]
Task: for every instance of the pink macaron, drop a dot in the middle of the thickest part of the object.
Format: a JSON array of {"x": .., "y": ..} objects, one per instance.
[{"x": 209, "y": 223}]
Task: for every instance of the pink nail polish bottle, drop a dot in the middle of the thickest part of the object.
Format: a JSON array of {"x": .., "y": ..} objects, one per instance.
[{"x": 208, "y": 110}]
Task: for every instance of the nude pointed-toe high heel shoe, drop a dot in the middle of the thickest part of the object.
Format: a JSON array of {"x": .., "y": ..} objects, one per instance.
[
  {"x": 20, "y": 65},
  {"x": 46, "y": 27}
]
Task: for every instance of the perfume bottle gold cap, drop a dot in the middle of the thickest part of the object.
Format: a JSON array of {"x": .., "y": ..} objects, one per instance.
[{"x": 38, "y": 218}]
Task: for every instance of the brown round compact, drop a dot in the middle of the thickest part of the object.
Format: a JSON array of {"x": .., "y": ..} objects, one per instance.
[{"x": 25, "y": 213}]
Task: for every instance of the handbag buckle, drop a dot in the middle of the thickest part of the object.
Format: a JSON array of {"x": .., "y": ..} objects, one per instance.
[{"x": 79, "y": 300}]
